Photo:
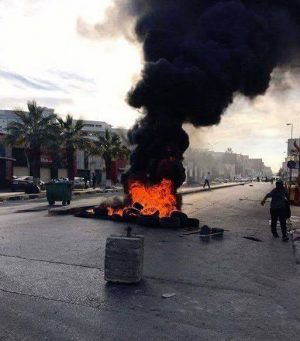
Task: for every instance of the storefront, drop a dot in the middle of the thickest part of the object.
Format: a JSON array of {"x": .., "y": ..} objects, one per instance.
[{"x": 6, "y": 171}]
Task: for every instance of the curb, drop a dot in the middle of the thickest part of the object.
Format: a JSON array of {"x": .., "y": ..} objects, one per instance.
[
  {"x": 201, "y": 189},
  {"x": 15, "y": 197},
  {"x": 65, "y": 210}
]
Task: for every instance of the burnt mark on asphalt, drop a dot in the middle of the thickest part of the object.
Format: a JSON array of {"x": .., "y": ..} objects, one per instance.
[
  {"x": 253, "y": 239},
  {"x": 30, "y": 210}
]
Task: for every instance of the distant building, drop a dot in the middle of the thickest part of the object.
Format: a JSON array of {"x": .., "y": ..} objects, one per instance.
[{"x": 225, "y": 165}]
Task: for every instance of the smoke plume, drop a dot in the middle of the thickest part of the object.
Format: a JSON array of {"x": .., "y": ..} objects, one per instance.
[{"x": 198, "y": 55}]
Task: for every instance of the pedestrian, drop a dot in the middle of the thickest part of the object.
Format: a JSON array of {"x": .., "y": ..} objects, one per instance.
[
  {"x": 85, "y": 181},
  {"x": 280, "y": 205},
  {"x": 94, "y": 180},
  {"x": 207, "y": 180}
]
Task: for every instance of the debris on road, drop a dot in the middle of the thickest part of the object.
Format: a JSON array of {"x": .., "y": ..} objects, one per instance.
[
  {"x": 206, "y": 232},
  {"x": 246, "y": 199},
  {"x": 168, "y": 295},
  {"x": 253, "y": 239}
]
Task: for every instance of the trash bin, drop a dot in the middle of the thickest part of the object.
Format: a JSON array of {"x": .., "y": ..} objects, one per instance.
[{"x": 59, "y": 191}]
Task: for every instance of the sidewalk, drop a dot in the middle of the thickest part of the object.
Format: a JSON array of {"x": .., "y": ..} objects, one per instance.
[
  {"x": 4, "y": 196},
  {"x": 198, "y": 189}
]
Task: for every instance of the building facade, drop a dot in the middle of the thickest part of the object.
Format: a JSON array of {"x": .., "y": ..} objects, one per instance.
[
  {"x": 225, "y": 165},
  {"x": 13, "y": 160},
  {"x": 292, "y": 155}
]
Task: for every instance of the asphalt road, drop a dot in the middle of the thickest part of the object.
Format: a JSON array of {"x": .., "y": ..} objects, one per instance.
[{"x": 52, "y": 283}]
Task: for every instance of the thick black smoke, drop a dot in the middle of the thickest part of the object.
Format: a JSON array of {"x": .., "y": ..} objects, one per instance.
[{"x": 198, "y": 55}]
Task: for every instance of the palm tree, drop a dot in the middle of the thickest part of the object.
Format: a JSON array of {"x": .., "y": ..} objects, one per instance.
[
  {"x": 110, "y": 147},
  {"x": 54, "y": 149},
  {"x": 33, "y": 130},
  {"x": 72, "y": 138}
]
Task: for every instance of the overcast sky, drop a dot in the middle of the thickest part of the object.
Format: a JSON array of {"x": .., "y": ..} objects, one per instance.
[{"x": 43, "y": 57}]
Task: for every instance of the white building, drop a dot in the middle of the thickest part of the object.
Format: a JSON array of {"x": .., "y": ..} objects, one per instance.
[{"x": 7, "y": 116}]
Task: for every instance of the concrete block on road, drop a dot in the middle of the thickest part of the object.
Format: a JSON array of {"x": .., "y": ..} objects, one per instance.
[{"x": 124, "y": 259}]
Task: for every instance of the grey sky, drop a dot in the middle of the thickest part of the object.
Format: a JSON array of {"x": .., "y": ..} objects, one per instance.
[{"x": 45, "y": 57}]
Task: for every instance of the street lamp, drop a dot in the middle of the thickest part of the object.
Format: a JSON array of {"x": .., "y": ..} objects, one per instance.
[{"x": 292, "y": 127}]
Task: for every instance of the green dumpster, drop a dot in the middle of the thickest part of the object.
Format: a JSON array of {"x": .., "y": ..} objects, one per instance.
[{"x": 59, "y": 191}]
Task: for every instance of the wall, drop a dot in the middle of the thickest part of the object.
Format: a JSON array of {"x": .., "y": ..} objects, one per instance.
[
  {"x": 20, "y": 171},
  {"x": 45, "y": 174},
  {"x": 62, "y": 173}
]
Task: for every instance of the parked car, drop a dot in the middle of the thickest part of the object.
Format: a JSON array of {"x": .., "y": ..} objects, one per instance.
[
  {"x": 22, "y": 183},
  {"x": 79, "y": 183}
]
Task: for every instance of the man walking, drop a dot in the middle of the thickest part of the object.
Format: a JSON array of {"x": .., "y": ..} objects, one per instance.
[
  {"x": 207, "y": 180},
  {"x": 279, "y": 208}
]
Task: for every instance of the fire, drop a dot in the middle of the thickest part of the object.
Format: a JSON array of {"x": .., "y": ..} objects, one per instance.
[
  {"x": 112, "y": 211},
  {"x": 159, "y": 197},
  {"x": 156, "y": 199}
]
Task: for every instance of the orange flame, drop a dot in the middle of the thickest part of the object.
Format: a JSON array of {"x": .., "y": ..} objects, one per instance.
[
  {"x": 157, "y": 198},
  {"x": 112, "y": 211}
]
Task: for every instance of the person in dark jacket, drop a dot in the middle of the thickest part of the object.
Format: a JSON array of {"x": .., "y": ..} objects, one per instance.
[
  {"x": 94, "y": 179},
  {"x": 279, "y": 208}
]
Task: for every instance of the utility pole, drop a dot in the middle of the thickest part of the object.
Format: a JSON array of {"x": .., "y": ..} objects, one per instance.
[{"x": 290, "y": 154}]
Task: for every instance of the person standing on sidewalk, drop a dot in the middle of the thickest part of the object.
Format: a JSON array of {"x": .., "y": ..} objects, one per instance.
[
  {"x": 207, "y": 180},
  {"x": 94, "y": 179},
  {"x": 279, "y": 208}
]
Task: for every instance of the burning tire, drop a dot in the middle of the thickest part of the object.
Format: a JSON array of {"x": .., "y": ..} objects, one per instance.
[
  {"x": 138, "y": 206},
  {"x": 181, "y": 216},
  {"x": 148, "y": 221},
  {"x": 170, "y": 222},
  {"x": 129, "y": 218},
  {"x": 131, "y": 211},
  {"x": 101, "y": 212},
  {"x": 83, "y": 214}
]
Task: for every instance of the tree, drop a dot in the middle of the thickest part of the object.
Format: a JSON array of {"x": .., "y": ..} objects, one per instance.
[
  {"x": 33, "y": 130},
  {"x": 280, "y": 172},
  {"x": 54, "y": 149},
  {"x": 71, "y": 137},
  {"x": 110, "y": 147}
]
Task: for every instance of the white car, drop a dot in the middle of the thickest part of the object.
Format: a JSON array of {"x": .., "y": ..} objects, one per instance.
[{"x": 79, "y": 183}]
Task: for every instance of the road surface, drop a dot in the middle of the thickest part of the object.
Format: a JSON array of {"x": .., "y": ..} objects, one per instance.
[{"x": 52, "y": 283}]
